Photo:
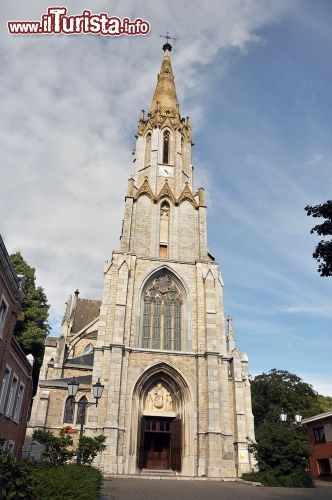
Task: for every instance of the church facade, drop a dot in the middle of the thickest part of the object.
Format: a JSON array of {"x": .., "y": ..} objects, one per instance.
[{"x": 177, "y": 394}]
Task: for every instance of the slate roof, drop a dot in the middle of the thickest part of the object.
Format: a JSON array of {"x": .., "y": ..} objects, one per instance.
[
  {"x": 85, "y": 359},
  {"x": 62, "y": 382},
  {"x": 86, "y": 311}
]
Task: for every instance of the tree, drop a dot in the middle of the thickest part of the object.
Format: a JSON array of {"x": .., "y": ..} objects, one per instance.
[
  {"x": 271, "y": 392},
  {"x": 282, "y": 455},
  {"x": 280, "y": 450},
  {"x": 31, "y": 327},
  {"x": 323, "y": 251}
]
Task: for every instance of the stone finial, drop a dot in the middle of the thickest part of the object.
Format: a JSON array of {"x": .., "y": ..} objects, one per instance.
[{"x": 230, "y": 335}]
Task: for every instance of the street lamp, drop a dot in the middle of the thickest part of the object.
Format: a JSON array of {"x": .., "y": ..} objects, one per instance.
[
  {"x": 297, "y": 418},
  {"x": 97, "y": 390}
]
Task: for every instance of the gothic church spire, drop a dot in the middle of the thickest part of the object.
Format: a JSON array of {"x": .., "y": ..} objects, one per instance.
[{"x": 165, "y": 101}]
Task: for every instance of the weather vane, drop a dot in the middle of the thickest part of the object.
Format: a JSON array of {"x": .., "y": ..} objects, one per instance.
[{"x": 168, "y": 37}]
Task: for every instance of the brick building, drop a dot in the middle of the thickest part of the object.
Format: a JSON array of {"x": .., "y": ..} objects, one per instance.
[
  {"x": 177, "y": 394},
  {"x": 319, "y": 430},
  {"x": 15, "y": 368}
]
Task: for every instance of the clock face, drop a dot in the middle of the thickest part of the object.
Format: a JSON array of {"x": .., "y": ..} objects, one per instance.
[{"x": 166, "y": 171}]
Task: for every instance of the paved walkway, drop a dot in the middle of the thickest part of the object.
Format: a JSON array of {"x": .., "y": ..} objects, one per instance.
[{"x": 170, "y": 489}]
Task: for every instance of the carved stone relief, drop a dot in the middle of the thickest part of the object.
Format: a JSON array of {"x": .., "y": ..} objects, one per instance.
[{"x": 159, "y": 399}]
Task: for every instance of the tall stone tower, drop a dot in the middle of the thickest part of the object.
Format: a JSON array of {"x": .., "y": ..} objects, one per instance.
[{"x": 177, "y": 394}]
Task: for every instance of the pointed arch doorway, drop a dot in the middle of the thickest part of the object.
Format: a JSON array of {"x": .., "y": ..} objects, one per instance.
[
  {"x": 161, "y": 444},
  {"x": 161, "y": 420}
]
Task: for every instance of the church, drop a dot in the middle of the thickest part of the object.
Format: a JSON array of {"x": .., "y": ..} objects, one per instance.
[{"x": 176, "y": 396}]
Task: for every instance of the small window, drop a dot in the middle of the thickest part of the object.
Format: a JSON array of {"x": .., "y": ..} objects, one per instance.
[
  {"x": 12, "y": 396},
  {"x": 81, "y": 410},
  {"x": 8, "y": 445},
  {"x": 4, "y": 387},
  {"x": 88, "y": 348},
  {"x": 18, "y": 404},
  {"x": 324, "y": 467},
  {"x": 163, "y": 251},
  {"x": 147, "y": 158},
  {"x": 319, "y": 435},
  {"x": 68, "y": 416},
  {"x": 166, "y": 148},
  {"x": 3, "y": 314}
]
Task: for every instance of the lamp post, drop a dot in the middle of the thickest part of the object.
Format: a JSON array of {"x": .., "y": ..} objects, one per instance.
[
  {"x": 97, "y": 390},
  {"x": 297, "y": 419}
]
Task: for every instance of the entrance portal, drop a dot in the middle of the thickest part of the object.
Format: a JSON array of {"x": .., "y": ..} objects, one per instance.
[{"x": 160, "y": 446}]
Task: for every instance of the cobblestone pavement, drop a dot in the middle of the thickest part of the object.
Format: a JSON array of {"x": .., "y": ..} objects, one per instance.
[{"x": 162, "y": 489}]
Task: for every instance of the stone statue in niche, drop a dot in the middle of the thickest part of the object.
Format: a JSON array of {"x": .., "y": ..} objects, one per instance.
[{"x": 159, "y": 399}]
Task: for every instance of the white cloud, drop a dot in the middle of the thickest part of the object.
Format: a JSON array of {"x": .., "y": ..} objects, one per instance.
[{"x": 69, "y": 111}]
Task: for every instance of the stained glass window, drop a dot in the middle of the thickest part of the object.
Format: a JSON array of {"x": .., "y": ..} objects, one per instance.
[
  {"x": 68, "y": 416},
  {"x": 162, "y": 315}
]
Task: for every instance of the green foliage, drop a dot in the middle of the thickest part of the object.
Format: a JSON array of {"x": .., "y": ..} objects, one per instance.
[
  {"x": 28, "y": 481},
  {"x": 281, "y": 451},
  {"x": 31, "y": 327},
  {"x": 296, "y": 479},
  {"x": 67, "y": 482},
  {"x": 278, "y": 389},
  {"x": 323, "y": 250},
  {"x": 280, "y": 448},
  {"x": 325, "y": 403},
  {"x": 89, "y": 447},
  {"x": 15, "y": 478},
  {"x": 282, "y": 455},
  {"x": 55, "y": 448}
]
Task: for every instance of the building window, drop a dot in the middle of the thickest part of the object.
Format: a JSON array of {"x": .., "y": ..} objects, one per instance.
[
  {"x": 88, "y": 348},
  {"x": 81, "y": 410},
  {"x": 18, "y": 404},
  {"x": 147, "y": 158},
  {"x": 68, "y": 417},
  {"x": 319, "y": 435},
  {"x": 12, "y": 396},
  {"x": 4, "y": 388},
  {"x": 162, "y": 315},
  {"x": 166, "y": 138},
  {"x": 324, "y": 467},
  {"x": 8, "y": 445},
  {"x": 3, "y": 314}
]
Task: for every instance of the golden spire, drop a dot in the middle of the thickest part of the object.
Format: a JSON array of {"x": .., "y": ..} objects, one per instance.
[{"x": 165, "y": 102}]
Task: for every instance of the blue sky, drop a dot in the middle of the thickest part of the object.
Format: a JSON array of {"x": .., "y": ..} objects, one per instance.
[{"x": 255, "y": 78}]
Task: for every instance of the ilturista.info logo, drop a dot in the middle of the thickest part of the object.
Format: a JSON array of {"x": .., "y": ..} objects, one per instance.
[{"x": 56, "y": 22}]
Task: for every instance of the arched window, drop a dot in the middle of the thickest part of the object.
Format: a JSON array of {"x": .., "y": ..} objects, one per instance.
[
  {"x": 68, "y": 417},
  {"x": 81, "y": 410},
  {"x": 147, "y": 150},
  {"x": 88, "y": 348},
  {"x": 166, "y": 148},
  {"x": 162, "y": 314}
]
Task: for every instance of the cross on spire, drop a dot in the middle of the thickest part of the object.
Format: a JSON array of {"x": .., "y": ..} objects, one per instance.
[
  {"x": 168, "y": 37},
  {"x": 167, "y": 45}
]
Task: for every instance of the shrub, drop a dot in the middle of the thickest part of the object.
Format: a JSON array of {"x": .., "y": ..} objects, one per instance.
[
  {"x": 67, "y": 482},
  {"x": 15, "y": 478},
  {"x": 89, "y": 447},
  {"x": 298, "y": 478},
  {"x": 55, "y": 448}
]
